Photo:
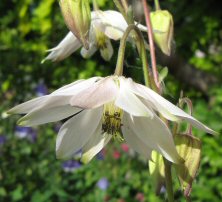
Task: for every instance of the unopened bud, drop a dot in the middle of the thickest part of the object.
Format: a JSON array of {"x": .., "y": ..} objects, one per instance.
[
  {"x": 162, "y": 24},
  {"x": 77, "y": 17},
  {"x": 189, "y": 148}
]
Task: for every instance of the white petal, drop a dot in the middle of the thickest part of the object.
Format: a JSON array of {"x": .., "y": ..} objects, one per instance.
[
  {"x": 26, "y": 107},
  {"x": 98, "y": 94},
  {"x": 76, "y": 86},
  {"x": 47, "y": 115},
  {"x": 132, "y": 139},
  {"x": 166, "y": 108},
  {"x": 76, "y": 132},
  {"x": 88, "y": 53},
  {"x": 64, "y": 49},
  {"x": 111, "y": 23},
  {"x": 107, "y": 51},
  {"x": 156, "y": 135},
  {"x": 130, "y": 103},
  {"x": 95, "y": 144}
]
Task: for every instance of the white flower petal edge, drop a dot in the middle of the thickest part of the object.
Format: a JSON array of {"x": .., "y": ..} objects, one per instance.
[
  {"x": 133, "y": 140},
  {"x": 95, "y": 144},
  {"x": 155, "y": 134},
  {"x": 99, "y": 93},
  {"x": 64, "y": 49},
  {"x": 88, "y": 53},
  {"x": 113, "y": 24},
  {"x": 166, "y": 108},
  {"x": 59, "y": 97},
  {"x": 38, "y": 117},
  {"x": 76, "y": 132},
  {"x": 130, "y": 103}
]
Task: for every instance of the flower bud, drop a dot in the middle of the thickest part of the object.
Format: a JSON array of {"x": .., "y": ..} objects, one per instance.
[
  {"x": 162, "y": 24},
  {"x": 189, "y": 148},
  {"x": 77, "y": 16}
]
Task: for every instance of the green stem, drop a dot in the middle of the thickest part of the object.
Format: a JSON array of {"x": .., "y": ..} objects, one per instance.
[
  {"x": 169, "y": 183},
  {"x": 95, "y": 5},
  {"x": 142, "y": 51},
  {"x": 120, "y": 8},
  {"x": 157, "y": 4}
]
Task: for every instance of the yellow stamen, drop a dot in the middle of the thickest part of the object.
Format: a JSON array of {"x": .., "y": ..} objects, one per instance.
[{"x": 111, "y": 121}]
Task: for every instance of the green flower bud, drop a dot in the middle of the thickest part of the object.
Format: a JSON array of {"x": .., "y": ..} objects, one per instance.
[
  {"x": 189, "y": 148},
  {"x": 162, "y": 24},
  {"x": 77, "y": 16}
]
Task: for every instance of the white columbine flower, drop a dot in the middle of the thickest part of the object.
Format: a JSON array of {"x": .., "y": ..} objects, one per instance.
[
  {"x": 101, "y": 108},
  {"x": 104, "y": 26}
]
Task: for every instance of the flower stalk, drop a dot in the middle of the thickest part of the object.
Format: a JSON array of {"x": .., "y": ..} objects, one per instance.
[
  {"x": 151, "y": 43},
  {"x": 142, "y": 51}
]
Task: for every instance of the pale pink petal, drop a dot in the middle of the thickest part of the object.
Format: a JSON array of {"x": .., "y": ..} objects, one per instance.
[{"x": 99, "y": 93}]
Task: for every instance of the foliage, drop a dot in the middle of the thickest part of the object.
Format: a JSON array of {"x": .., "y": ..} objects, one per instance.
[{"x": 29, "y": 170}]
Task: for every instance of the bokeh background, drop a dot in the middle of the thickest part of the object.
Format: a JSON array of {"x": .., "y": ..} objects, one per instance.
[{"x": 29, "y": 171}]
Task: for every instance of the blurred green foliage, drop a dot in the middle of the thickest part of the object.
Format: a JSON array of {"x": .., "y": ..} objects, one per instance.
[{"x": 29, "y": 170}]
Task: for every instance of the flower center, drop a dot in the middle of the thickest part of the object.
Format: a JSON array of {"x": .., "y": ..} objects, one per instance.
[
  {"x": 100, "y": 39},
  {"x": 111, "y": 121}
]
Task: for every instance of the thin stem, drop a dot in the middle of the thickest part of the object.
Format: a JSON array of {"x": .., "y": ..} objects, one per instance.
[
  {"x": 120, "y": 8},
  {"x": 95, "y": 5},
  {"x": 125, "y": 5},
  {"x": 142, "y": 51},
  {"x": 168, "y": 178},
  {"x": 157, "y": 4},
  {"x": 151, "y": 42}
]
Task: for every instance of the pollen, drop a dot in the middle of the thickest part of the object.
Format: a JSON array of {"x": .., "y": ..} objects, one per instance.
[{"x": 111, "y": 121}]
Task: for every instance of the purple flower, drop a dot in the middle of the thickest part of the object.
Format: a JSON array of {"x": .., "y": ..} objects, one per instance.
[
  {"x": 2, "y": 139},
  {"x": 71, "y": 165},
  {"x": 25, "y": 132},
  {"x": 100, "y": 155},
  {"x": 41, "y": 89},
  {"x": 103, "y": 183}
]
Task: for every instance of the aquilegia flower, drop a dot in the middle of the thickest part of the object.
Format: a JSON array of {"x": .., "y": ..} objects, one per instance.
[
  {"x": 104, "y": 25},
  {"x": 101, "y": 108}
]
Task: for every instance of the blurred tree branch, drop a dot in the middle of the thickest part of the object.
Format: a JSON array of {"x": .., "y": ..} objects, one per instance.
[{"x": 187, "y": 73}]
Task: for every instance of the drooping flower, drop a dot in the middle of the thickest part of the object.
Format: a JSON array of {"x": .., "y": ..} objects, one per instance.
[
  {"x": 103, "y": 108},
  {"x": 104, "y": 26}
]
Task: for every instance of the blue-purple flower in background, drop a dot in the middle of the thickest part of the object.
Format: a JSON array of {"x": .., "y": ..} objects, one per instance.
[
  {"x": 41, "y": 89},
  {"x": 2, "y": 139},
  {"x": 26, "y": 132},
  {"x": 103, "y": 183},
  {"x": 71, "y": 165}
]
